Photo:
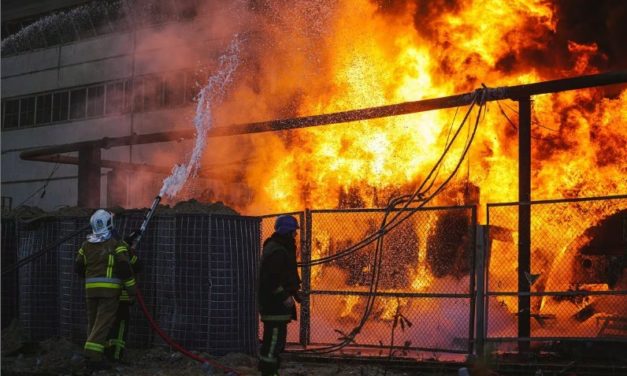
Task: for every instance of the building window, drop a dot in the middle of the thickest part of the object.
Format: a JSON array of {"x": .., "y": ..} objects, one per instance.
[
  {"x": 144, "y": 93},
  {"x": 60, "y": 105},
  {"x": 138, "y": 94},
  {"x": 11, "y": 114},
  {"x": 27, "y": 111},
  {"x": 128, "y": 96},
  {"x": 153, "y": 90},
  {"x": 174, "y": 90},
  {"x": 115, "y": 98},
  {"x": 77, "y": 103},
  {"x": 44, "y": 109},
  {"x": 95, "y": 100}
]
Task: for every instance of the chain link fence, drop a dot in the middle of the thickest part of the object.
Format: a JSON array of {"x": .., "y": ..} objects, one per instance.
[
  {"x": 577, "y": 283},
  {"x": 423, "y": 299}
]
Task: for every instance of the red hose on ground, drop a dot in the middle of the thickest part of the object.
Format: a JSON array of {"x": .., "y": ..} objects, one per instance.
[{"x": 176, "y": 346}]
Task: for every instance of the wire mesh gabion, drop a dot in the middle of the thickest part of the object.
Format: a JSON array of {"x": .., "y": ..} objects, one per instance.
[
  {"x": 198, "y": 280},
  {"x": 9, "y": 280}
]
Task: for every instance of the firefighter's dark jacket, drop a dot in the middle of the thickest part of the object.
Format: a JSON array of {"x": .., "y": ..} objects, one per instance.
[
  {"x": 278, "y": 278},
  {"x": 106, "y": 268}
]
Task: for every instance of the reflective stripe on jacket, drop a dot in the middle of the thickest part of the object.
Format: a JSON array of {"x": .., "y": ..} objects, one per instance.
[{"x": 105, "y": 267}]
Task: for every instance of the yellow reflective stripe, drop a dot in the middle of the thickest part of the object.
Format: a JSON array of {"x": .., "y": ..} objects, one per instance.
[
  {"x": 133, "y": 259},
  {"x": 107, "y": 285},
  {"x": 94, "y": 346},
  {"x": 119, "y": 342},
  {"x": 110, "y": 266},
  {"x": 266, "y": 359},
  {"x": 275, "y": 336},
  {"x": 121, "y": 249},
  {"x": 130, "y": 283},
  {"x": 82, "y": 253},
  {"x": 276, "y": 317}
]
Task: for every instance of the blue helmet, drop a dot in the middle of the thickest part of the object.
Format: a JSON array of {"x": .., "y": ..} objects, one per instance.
[{"x": 285, "y": 224}]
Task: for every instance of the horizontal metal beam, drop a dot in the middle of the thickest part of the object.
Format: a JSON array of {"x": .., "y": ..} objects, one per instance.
[
  {"x": 206, "y": 172},
  {"x": 107, "y": 142},
  {"x": 511, "y": 92}
]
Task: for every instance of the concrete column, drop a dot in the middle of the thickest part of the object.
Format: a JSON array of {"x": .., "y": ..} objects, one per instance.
[{"x": 89, "y": 177}]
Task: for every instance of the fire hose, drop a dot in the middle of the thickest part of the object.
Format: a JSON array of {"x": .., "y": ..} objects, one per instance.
[
  {"x": 151, "y": 321},
  {"x": 140, "y": 300}
]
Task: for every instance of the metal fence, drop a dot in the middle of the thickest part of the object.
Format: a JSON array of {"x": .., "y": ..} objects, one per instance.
[
  {"x": 198, "y": 280},
  {"x": 424, "y": 300},
  {"x": 576, "y": 281},
  {"x": 434, "y": 294}
]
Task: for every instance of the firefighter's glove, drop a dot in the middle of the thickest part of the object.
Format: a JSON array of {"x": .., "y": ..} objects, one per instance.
[
  {"x": 299, "y": 296},
  {"x": 289, "y": 302},
  {"x": 131, "y": 238}
]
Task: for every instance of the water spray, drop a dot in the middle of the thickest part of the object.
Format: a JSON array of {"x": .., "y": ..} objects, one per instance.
[{"x": 209, "y": 95}]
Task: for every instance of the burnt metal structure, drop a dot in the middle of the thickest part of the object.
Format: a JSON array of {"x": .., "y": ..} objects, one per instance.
[{"x": 520, "y": 93}]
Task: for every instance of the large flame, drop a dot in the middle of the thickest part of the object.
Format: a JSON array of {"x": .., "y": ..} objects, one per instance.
[
  {"x": 321, "y": 57},
  {"x": 359, "y": 54}
]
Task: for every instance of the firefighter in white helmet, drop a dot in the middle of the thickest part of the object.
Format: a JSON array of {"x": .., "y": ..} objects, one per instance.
[{"x": 104, "y": 263}]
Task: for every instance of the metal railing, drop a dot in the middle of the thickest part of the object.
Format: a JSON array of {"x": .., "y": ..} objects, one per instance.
[{"x": 576, "y": 287}]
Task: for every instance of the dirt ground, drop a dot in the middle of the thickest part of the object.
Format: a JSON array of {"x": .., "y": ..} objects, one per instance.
[{"x": 58, "y": 356}]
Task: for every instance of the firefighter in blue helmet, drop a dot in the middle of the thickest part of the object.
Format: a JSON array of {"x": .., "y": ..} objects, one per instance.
[{"x": 279, "y": 288}]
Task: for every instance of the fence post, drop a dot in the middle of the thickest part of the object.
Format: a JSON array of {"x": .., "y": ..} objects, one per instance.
[
  {"x": 481, "y": 245},
  {"x": 524, "y": 222},
  {"x": 305, "y": 255}
]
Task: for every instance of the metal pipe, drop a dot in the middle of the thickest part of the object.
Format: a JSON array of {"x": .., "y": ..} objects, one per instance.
[
  {"x": 524, "y": 220},
  {"x": 511, "y": 92},
  {"x": 107, "y": 142},
  {"x": 205, "y": 173}
]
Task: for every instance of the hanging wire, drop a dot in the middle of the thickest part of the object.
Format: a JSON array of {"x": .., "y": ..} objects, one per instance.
[{"x": 386, "y": 226}]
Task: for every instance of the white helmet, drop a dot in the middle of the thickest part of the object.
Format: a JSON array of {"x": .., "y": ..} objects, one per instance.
[{"x": 101, "y": 222}]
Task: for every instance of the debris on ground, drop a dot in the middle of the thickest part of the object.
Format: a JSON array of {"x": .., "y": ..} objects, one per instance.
[{"x": 58, "y": 356}]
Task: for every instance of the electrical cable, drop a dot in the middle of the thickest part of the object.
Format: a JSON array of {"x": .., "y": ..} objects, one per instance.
[
  {"x": 384, "y": 225},
  {"x": 418, "y": 192},
  {"x": 41, "y": 252},
  {"x": 43, "y": 187}
]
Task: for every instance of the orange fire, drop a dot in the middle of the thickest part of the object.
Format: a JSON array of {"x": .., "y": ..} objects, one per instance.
[
  {"x": 364, "y": 56},
  {"x": 323, "y": 57}
]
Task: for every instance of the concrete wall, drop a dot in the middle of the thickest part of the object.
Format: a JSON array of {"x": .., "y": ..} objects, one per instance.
[{"x": 110, "y": 57}]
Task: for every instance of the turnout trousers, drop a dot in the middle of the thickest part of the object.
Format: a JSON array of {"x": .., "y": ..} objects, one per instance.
[
  {"x": 119, "y": 332},
  {"x": 273, "y": 343},
  {"x": 100, "y": 318}
]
